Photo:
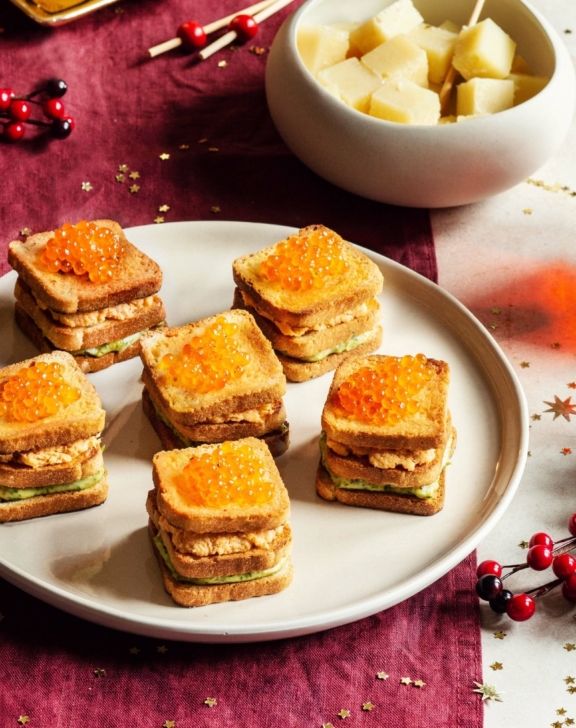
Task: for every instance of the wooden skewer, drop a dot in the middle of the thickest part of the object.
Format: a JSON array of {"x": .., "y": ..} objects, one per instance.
[
  {"x": 169, "y": 45},
  {"x": 231, "y": 36},
  {"x": 451, "y": 75}
]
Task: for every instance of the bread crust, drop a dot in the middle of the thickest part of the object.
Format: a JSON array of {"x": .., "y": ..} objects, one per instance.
[
  {"x": 315, "y": 341},
  {"x": 262, "y": 382},
  {"x": 422, "y": 431},
  {"x": 137, "y": 276},
  {"x": 47, "y": 505},
  {"x": 380, "y": 501},
  {"x": 360, "y": 283},
  {"x": 78, "y": 421},
  {"x": 191, "y": 595},
  {"x": 88, "y": 364},
  {"x": 22, "y": 476},
  {"x": 85, "y": 337},
  {"x": 297, "y": 370}
]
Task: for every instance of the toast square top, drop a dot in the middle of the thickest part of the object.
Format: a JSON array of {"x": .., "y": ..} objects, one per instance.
[
  {"x": 232, "y": 500},
  {"x": 79, "y": 420},
  {"x": 424, "y": 429},
  {"x": 341, "y": 292},
  {"x": 261, "y": 380},
  {"x": 137, "y": 276}
]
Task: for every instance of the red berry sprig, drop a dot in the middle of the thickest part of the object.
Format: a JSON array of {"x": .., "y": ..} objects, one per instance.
[
  {"x": 17, "y": 111},
  {"x": 542, "y": 554}
]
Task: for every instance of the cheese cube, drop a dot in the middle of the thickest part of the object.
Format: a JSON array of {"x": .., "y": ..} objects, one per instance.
[
  {"x": 452, "y": 27},
  {"x": 400, "y": 17},
  {"x": 519, "y": 65},
  {"x": 355, "y": 83},
  {"x": 439, "y": 47},
  {"x": 484, "y": 51},
  {"x": 405, "y": 102},
  {"x": 484, "y": 96},
  {"x": 525, "y": 86},
  {"x": 321, "y": 46},
  {"x": 399, "y": 57}
]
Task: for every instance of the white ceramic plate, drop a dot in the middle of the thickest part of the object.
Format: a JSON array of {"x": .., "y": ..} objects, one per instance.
[{"x": 348, "y": 562}]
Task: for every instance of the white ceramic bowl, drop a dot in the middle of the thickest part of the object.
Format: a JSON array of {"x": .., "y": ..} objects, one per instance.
[{"x": 421, "y": 166}]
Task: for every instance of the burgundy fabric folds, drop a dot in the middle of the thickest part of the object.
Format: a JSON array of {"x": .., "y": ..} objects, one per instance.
[{"x": 225, "y": 162}]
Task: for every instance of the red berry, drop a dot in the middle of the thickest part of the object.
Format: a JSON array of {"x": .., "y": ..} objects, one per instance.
[
  {"x": 571, "y": 522},
  {"x": 541, "y": 538},
  {"x": 521, "y": 607},
  {"x": 244, "y": 26},
  {"x": 569, "y": 589},
  {"x": 489, "y": 567},
  {"x": 19, "y": 110},
  {"x": 539, "y": 557},
  {"x": 53, "y": 109},
  {"x": 13, "y": 131},
  {"x": 71, "y": 121},
  {"x": 564, "y": 566},
  {"x": 192, "y": 35},
  {"x": 5, "y": 98}
]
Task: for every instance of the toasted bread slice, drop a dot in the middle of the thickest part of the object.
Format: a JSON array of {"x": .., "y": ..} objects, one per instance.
[
  {"x": 16, "y": 475},
  {"x": 47, "y": 505},
  {"x": 88, "y": 364},
  {"x": 380, "y": 501},
  {"x": 297, "y": 370},
  {"x": 261, "y": 382},
  {"x": 313, "y": 342},
  {"x": 78, "y": 421},
  {"x": 191, "y": 595},
  {"x": 76, "y": 338},
  {"x": 137, "y": 276},
  {"x": 362, "y": 281},
  {"x": 421, "y": 431},
  {"x": 172, "y": 504}
]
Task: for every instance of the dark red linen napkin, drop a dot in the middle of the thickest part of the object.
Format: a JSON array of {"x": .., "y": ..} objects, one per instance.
[{"x": 225, "y": 162}]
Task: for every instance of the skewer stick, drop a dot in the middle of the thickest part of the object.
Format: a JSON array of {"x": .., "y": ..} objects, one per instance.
[
  {"x": 231, "y": 36},
  {"x": 451, "y": 75},
  {"x": 168, "y": 45}
]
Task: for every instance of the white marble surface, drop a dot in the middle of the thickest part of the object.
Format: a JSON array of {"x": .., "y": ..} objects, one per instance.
[{"x": 517, "y": 252}]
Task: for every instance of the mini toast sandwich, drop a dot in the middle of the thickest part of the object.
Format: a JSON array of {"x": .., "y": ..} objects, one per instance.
[
  {"x": 313, "y": 296},
  {"x": 50, "y": 424},
  {"x": 213, "y": 380},
  {"x": 387, "y": 434},
  {"x": 87, "y": 290},
  {"x": 219, "y": 523}
]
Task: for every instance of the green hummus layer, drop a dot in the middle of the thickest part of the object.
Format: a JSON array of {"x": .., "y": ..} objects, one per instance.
[
  {"x": 118, "y": 346},
  {"x": 338, "y": 349},
  {"x": 16, "y": 494}
]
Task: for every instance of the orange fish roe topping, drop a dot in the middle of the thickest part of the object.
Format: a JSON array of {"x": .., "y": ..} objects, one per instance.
[
  {"x": 209, "y": 361},
  {"x": 305, "y": 262},
  {"x": 84, "y": 249},
  {"x": 231, "y": 476},
  {"x": 36, "y": 392},
  {"x": 384, "y": 392}
]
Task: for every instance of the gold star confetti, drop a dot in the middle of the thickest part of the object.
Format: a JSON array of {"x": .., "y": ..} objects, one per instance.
[
  {"x": 524, "y": 364},
  {"x": 159, "y": 219},
  {"x": 569, "y": 646},
  {"x": 123, "y": 168},
  {"x": 257, "y": 50},
  {"x": 213, "y": 149},
  {"x": 222, "y": 64},
  {"x": 561, "y": 711},
  {"x": 419, "y": 683},
  {"x": 169, "y": 724},
  {"x": 23, "y": 719},
  {"x": 120, "y": 178},
  {"x": 100, "y": 672},
  {"x": 405, "y": 680},
  {"x": 493, "y": 325},
  {"x": 162, "y": 649},
  {"x": 344, "y": 713},
  {"x": 25, "y": 232},
  {"x": 202, "y": 141},
  {"x": 164, "y": 156},
  {"x": 536, "y": 417},
  {"x": 556, "y": 724},
  {"x": 496, "y": 310},
  {"x": 163, "y": 208},
  {"x": 499, "y": 635},
  {"x": 382, "y": 675},
  {"x": 569, "y": 680},
  {"x": 556, "y": 345},
  {"x": 569, "y": 721},
  {"x": 566, "y": 451},
  {"x": 561, "y": 407},
  {"x": 134, "y": 175},
  {"x": 118, "y": 11},
  {"x": 571, "y": 689},
  {"x": 134, "y": 188},
  {"x": 524, "y": 545},
  {"x": 527, "y": 211},
  {"x": 568, "y": 30},
  {"x": 86, "y": 186},
  {"x": 497, "y": 666},
  {"x": 327, "y": 725},
  {"x": 367, "y": 706},
  {"x": 134, "y": 651},
  {"x": 488, "y": 692},
  {"x": 184, "y": 146},
  {"x": 529, "y": 454},
  {"x": 215, "y": 209},
  {"x": 210, "y": 702}
]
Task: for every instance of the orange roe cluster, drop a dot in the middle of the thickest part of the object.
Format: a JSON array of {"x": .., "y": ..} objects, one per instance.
[
  {"x": 209, "y": 361},
  {"x": 36, "y": 392},
  {"x": 84, "y": 249},
  {"x": 384, "y": 392},
  {"x": 231, "y": 476},
  {"x": 303, "y": 262}
]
